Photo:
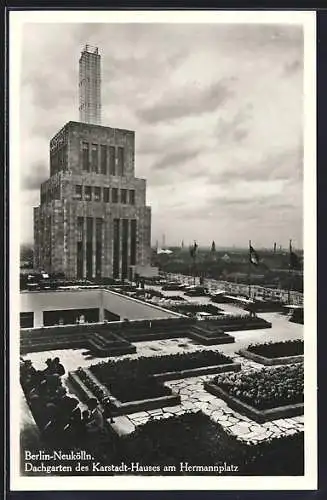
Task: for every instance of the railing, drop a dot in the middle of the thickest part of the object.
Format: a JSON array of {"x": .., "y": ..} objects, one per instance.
[{"x": 295, "y": 298}]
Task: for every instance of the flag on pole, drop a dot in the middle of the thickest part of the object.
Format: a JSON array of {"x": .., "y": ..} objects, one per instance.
[
  {"x": 253, "y": 256},
  {"x": 193, "y": 250},
  {"x": 294, "y": 259}
]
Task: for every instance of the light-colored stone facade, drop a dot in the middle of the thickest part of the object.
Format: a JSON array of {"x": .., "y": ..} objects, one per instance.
[{"x": 92, "y": 175}]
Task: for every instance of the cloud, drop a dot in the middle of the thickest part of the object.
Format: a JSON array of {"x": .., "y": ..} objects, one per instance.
[
  {"x": 293, "y": 67},
  {"x": 234, "y": 129},
  {"x": 277, "y": 165},
  {"x": 39, "y": 173},
  {"x": 217, "y": 111},
  {"x": 174, "y": 159},
  {"x": 187, "y": 103}
]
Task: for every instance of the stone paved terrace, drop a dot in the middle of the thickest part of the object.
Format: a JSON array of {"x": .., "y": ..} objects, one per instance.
[{"x": 193, "y": 395}]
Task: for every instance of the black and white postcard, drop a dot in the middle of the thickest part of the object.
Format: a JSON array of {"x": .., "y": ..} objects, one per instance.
[{"x": 162, "y": 250}]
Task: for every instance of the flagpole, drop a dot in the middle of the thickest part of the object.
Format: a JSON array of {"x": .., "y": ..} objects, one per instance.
[
  {"x": 249, "y": 268},
  {"x": 289, "y": 273},
  {"x": 194, "y": 251}
]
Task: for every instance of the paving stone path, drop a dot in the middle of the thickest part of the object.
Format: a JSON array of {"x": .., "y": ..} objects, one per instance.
[{"x": 194, "y": 398}]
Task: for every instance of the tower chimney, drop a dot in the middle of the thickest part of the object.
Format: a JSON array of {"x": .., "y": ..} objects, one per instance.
[{"x": 90, "y": 86}]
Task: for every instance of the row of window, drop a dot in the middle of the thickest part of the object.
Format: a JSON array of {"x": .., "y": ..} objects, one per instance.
[
  {"x": 51, "y": 194},
  {"x": 58, "y": 160},
  {"x": 104, "y": 159},
  {"x": 113, "y": 195}
]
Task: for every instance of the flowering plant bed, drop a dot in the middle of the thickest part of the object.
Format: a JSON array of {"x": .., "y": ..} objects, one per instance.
[
  {"x": 134, "y": 385},
  {"x": 137, "y": 394},
  {"x": 230, "y": 323},
  {"x": 262, "y": 395},
  {"x": 111, "y": 370},
  {"x": 275, "y": 353},
  {"x": 175, "y": 366},
  {"x": 194, "y": 308}
]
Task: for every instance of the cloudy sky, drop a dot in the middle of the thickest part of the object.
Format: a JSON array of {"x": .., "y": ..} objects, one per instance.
[{"x": 217, "y": 111}]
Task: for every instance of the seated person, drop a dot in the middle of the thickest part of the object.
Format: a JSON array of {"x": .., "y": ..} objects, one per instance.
[
  {"x": 74, "y": 426},
  {"x": 48, "y": 369},
  {"x": 26, "y": 368},
  {"x": 96, "y": 420},
  {"x": 85, "y": 417},
  {"x": 59, "y": 412},
  {"x": 57, "y": 367},
  {"x": 37, "y": 406},
  {"x": 108, "y": 409},
  {"x": 50, "y": 386},
  {"x": 29, "y": 376},
  {"x": 61, "y": 399}
]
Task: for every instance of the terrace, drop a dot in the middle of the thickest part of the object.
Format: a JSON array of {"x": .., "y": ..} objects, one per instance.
[{"x": 188, "y": 394}]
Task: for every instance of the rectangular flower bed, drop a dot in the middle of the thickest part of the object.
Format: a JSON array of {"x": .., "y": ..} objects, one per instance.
[
  {"x": 110, "y": 370},
  {"x": 194, "y": 308},
  {"x": 277, "y": 353},
  {"x": 87, "y": 384},
  {"x": 263, "y": 395},
  {"x": 197, "y": 372},
  {"x": 232, "y": 323}
]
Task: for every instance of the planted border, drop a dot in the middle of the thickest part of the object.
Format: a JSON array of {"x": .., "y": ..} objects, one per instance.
[
  {"x": 275, "y": 353},
  {"x": 117, "y": 407},
  {"x": 259, "y": 416},
  {"x": 196, "y": 372},
  {"x": 285, "y": 360},
  {"x": 147, "y": 365},
  {"x": 232, "y": 322}
]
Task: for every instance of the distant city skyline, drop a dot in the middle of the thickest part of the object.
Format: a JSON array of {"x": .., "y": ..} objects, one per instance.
[{"x": 217, "y": 111}]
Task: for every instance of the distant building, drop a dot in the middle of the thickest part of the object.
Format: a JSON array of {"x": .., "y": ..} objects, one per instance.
[{"x": 92, "y": 220}]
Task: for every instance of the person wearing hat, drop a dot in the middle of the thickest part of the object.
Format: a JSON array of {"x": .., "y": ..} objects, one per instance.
[
  {"x": 48, "y": 369},
  {"x": 28, "y": 374},
  {"x": 57, "y": 367}
]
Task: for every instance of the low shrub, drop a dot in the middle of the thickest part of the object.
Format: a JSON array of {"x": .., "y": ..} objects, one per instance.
[
  {"x": 195, "y": 439},
  {"x": 194, "y": 308},
  {"x": 125, "y": 389},
  {"x": 131, "y": 389},
  {"x": 145, "y": 366},
  {"x": 278, "y": 349},
  {"x": 266, "y": 388}
]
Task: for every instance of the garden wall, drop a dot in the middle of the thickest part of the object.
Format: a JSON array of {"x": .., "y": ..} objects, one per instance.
[
  {"x": 259, "y": 416},
  {"x": 285, "y": 360}
]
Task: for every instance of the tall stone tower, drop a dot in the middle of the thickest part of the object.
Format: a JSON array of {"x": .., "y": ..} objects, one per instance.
[
  {"x": 92, "y": 221},
  {"x": 90, "y": 86}
]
